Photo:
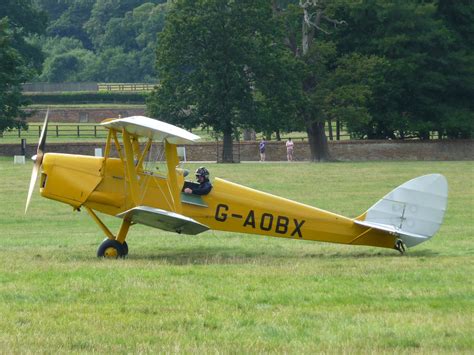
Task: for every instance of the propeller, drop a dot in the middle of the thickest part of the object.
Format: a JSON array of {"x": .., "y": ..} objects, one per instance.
[{"x": 38, "y": 159}]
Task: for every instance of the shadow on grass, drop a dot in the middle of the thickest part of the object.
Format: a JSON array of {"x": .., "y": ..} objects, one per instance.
[{"x": 219, "y": 255}]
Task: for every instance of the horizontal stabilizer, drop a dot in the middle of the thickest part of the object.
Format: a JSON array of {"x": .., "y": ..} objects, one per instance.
[
  {"x": 165, "y": 220},
  {"x": 149, "y": 127},
  {"x": 410, "y": 239},
  {"x": 413, "y": 211}
]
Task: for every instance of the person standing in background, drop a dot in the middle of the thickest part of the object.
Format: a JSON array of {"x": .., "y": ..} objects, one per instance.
[
  {"x": 261, "y": 148},
  {"x": 289, "y": 149}
]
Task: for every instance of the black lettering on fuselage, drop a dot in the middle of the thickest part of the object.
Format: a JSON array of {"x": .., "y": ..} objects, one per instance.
[
  {"x": 221, "y": 216},
  {"x": 250, "y": 220},
  {"x": 297, "y": 227},
  {"x": 282, "y": 225},
  {"x": 264, "y": 225}
]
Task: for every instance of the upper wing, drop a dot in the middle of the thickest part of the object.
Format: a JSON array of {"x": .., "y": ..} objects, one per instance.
[
  {"x": 168, "y": 221},
  {"x": 151, "y": 128}
]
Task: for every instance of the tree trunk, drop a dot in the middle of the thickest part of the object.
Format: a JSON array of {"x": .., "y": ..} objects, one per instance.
[
  {"x": 317, "y": 141},
  {"x": 330, "y": 130},
  {"x": 316, "y": 134},
  {"x": 227, "y": 148}
]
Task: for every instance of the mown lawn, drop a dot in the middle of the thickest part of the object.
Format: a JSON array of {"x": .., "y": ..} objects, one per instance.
[{"x": 235, "y": 293}]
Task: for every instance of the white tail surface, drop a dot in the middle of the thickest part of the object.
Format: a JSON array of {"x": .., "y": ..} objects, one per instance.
[{"x": 413, "y": 211}]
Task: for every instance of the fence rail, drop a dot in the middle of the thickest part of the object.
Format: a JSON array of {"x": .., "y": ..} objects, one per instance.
[
  {"x": 125, "y": 87},
  {"x": 97, "y": 131},
  {"x": 85, "y": 86},
  {"x": 60, "y": 130}
]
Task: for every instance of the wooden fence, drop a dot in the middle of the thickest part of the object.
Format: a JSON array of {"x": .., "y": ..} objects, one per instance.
[
  {"x": 86, "y": 87},
  {"x": 125, "y": 87},
  {"x": 60, "y": 130},
  {"x": 97, "y": 131}
]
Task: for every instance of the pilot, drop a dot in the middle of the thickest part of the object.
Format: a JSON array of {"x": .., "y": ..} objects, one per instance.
[{"x": 204, "y": 187}]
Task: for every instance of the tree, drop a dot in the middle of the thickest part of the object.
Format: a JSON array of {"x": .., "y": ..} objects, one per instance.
[
  {"x": 18, "y": 58},
  {"x": 216, "y": 62},
  {"x": 24, "y": 20},
  {"x": 458, "y": 93},
  {"x": 67, "y": 60},
  {"x": 101, "y": 28},
  {"x": 308, "y": 25},
  {"x": 67, "y": 19},
  {"x": 13, "y": 72},
  {"x": 104, "y": 11},
  {"x": 429, "y": 68},
  {"x": 352, "y": 90}
]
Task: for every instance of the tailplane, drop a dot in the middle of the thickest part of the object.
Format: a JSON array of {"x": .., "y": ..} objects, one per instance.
[{"x": 413, "y": 211}]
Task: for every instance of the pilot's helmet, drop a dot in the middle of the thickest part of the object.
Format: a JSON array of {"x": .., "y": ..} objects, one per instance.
[{"x": 202, "y": 171}]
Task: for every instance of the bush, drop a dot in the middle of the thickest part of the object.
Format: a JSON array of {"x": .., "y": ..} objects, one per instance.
[{"x": 88, "y": 97}]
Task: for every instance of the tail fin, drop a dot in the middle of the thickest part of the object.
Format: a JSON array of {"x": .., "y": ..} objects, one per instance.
[{"x": 413, "y": 211}]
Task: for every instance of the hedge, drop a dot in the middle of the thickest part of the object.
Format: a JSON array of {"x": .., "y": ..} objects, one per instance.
[{"x": 88, "y": 97}]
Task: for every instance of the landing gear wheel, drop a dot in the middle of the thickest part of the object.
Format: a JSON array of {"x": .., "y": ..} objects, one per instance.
[
  {"x": 125, "y": 248},
  {"x": 111, "y": 249}
]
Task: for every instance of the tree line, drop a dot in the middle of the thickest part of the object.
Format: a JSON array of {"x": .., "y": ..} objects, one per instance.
[{"x": 386, "y": 69}]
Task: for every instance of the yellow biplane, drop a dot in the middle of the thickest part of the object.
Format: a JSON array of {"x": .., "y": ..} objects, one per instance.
[{"x": 120, "y": 184}]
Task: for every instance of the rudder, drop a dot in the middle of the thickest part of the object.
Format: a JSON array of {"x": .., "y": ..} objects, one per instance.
[{"x": 413, "y": 211}]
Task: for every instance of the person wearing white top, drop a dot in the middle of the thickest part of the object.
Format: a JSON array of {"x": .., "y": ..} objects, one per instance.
[{"x": 289, "y": 149}]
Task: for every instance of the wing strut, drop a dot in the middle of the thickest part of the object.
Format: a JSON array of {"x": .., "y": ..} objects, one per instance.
[{"x": 172, "y": 162}]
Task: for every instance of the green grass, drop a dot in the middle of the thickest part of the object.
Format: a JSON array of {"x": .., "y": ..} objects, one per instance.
[{"x": 234, "y": 293}]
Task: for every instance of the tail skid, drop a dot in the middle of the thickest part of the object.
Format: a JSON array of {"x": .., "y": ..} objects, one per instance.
[{"x": 413, "y": 211}]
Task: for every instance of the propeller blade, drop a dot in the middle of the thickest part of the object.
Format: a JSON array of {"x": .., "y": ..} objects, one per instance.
[
  {"x": 38, "y": 160},
  {"x": 44, "y": 131},
  {"x": 34, "y": 176}
]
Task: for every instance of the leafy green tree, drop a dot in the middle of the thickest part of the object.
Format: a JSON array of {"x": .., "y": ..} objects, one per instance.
[
  {"x": 135, "y": 34},
  {"x": 350, "y": 92},
  {"x": 105, "y": 11},
  {"x": 67, "y": 19},
  {"x": 308, "y": 36},
  {"x": 101, "y": 28},
  {"x": 217, "y": 61},
  {"x": 18, "y": 58},
  {"x": 458, "y": 93},
  {"x": 13, "y": 72},
  {"x": 24, "y": 20},
  {"x": 117, "y": 66},
  {"x": 430, "y": 75},
  {"x": 67, "y": 60}
]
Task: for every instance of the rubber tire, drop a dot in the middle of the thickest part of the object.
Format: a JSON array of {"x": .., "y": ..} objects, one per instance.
[
  {"x": 125, "y": 248},
  {"x": 109, "y": 243}
]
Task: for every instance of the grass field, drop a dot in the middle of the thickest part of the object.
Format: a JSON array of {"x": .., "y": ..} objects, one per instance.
[{"x": 233, "y": 293}]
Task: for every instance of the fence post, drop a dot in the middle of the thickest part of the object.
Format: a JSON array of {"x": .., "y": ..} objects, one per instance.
[
  {"x": 39, "y": 131},
  {"x": 95, "y": 131},
  {"x": 23, "y": 146},
  {"x": 78, "y": 134},
  {"x": 57, "y": 131}
]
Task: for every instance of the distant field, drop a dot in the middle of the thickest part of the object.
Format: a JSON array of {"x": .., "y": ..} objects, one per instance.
[{"x": 233, "y": 293}]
